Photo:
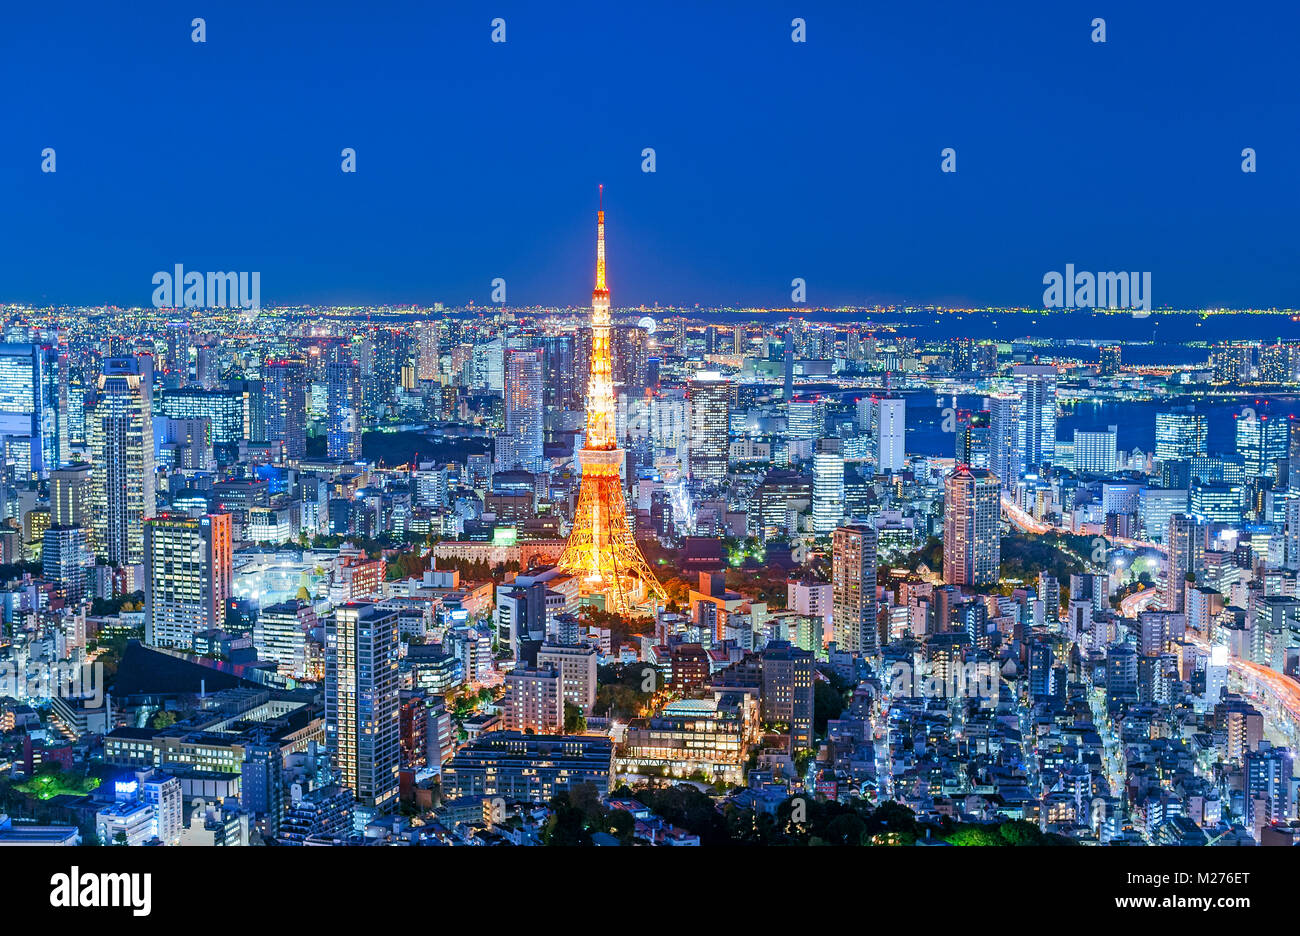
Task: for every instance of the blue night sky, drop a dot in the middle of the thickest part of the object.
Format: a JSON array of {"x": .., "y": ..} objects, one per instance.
[{"x": 775, "y": 159}]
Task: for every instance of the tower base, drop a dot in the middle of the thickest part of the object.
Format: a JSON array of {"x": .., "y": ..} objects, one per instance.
[{"x": 601, "y": 550}]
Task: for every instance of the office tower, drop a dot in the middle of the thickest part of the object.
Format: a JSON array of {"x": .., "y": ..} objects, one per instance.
[
  {"x": 343, "y": 421},
  {"x": 251, "y": 395},
  {"x": 853, "y": 589},
  {"x": 601, "y": 550},
  {"x": 804, "y": 419},
  {"x": 630, "y": 353},
  {"x": 787, "y": 696},
  {"x": 224, "y": 409},
  {"x": 1180, "y": 435},
  {"x": 1110, "y": 360},
  {"x": 519, "y": 448},
  {"x": 66, "y": 559},
  {"x": 710, "y": 398},
  {"x": 429, "y": 366},
  {"x": 973, "y": 437},
  {"x": 1094, "y": 452},
  {"x": 1036, "y": 386},
  {"x": 285, "y": 380},
  {"x": 972, "y": 535},
  {"x": 534, "y": 701},
  {"x": 827, "y": 486},
  {"x": 70, "y": 496},
  {"x": 187, "y": 577},
  {"x": 560, "y": 373},
  {"x": 31, "y": 388},
  {"x": 1187, "y": 541},
  {"x": 280, "y": 635},
  {"x": 362, "y": 721},
  {"x": 888, "y": 434},
  {"x": 1004, "y": 440},
  {"x": 121, "y": 444},
  {"x": 185, "y": 444},
  {"x": 1262, "y": 442}
]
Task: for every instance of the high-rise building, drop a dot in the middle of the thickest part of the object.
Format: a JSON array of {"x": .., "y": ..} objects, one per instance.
[
  {"x": 1094, "y": 452},
  {"x": 1005, "y": 460},
  {"x": 285, "y": 380},
  {"x": 710, "y": 398},
  {"x": 787, "y": 697},
  {"x": 519, "y": 448},
  {"x": 187, "y": 577},
  {"x": 1262, "y": 442},
  {"x": 70, "y": 496},
  {"x": 827, "y": 486},
  {"x": 66, "y": 560},
  {"x": 973, "y": 436},
  {"x": 804, "y": 419},
  {"x": 362, "y": 704},
  {"x": 1036, "y": 386},
  {"x": 428, "y": 364},
  {"x": 972, "y": 534},
  {"x": 534, "y": 701},
  {"x": 33, "y": 404},
  {"x": 344, "y": 406},
  {"x": 1180, "y": 435},
  {"x": 853, "y": 589},
  {"x": 888, "y": 432},
  {"x": 1187, "y": 541},
  {"x": 224, "y": 410},
  {"x": 122, "y": 448},
  {"x": 1109, "y": 360}
]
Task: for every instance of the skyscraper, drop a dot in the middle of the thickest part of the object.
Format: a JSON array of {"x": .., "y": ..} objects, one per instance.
[
  {"x": 1262, "y": 442},
  {"x": 362, "y": 705},
  {"x": 343, "y": 380},
  {"x": 121, "y": 444},
  {"x": 710, "y": 398},
  {"x": 286, "y": 404},
  {"x": 1187, "y": 540},
  {"x": 1004, "y": 440},
  {"x": 187, "y": 577},
  {"x": 972, "y": 535},
  {"x": 1036, "y": 386},
  {"x": 520, "y": 446},
  {"x": 1180, "y": 435},
  {"x": 853, "y": 589},
  {"x": 31, "y": 389},
  {"x": 828, "y": 486},
  {"x": 888, "y": 432},
  {"x": 1094, "y": 452},
  {"x": 973, "y": 438}
]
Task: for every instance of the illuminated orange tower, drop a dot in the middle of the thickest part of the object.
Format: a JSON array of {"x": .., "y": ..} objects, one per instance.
[{"x": 601, "y": 550}]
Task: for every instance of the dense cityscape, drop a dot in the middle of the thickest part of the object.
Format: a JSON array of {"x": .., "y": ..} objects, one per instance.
[{"x": 662, "y": 577}]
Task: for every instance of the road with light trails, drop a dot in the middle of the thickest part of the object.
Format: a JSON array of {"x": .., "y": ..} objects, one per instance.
[
  {"x": 1132, "y": 605},
  {"x": 1028, "y": 524}
]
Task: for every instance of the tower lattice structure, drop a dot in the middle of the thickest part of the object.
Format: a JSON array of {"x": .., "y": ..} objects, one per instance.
[{"x": 601, "y": 550}]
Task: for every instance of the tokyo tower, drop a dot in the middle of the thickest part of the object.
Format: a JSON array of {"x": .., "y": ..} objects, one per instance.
[{"x": 600, "y": 550}]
